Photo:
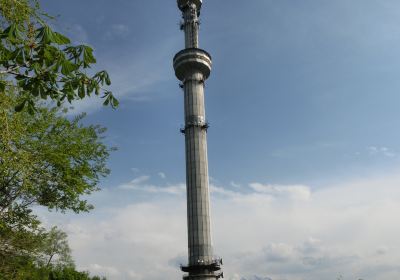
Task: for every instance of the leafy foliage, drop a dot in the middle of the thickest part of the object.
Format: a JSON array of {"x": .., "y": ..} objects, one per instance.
[
  {"x": 28, "y": 270},
  {"x": 18, "y": 11},
  {"x": 71, "y": 274},
  {"x": 47, "y": 160},
  {"x": 35, "y": 254},
  {"x": 56, "y": 250},
  {"x": 43, "y": 63}
]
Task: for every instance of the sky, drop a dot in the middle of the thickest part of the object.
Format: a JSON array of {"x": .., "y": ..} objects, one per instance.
[{"x": 304, "y": 143}]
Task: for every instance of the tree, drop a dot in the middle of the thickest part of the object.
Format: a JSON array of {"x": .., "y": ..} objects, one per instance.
[
  {"x": 56, "y": 250},
  {"x": 43, "y": 63},
  {"x": 47, "y": 160},
  {"x": 19, "y": 249},
  {"x": 71, "y": 274},
  {"x": 46, "y": 256}
]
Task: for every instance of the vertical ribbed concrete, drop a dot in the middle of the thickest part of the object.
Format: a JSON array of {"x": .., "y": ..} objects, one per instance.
[
  {"x": 192, "y": 66},
  {"x": 191, "y": 26},
  {"x": 197, "y": 172}
]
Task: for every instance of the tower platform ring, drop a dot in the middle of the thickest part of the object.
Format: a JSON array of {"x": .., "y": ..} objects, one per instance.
[{"x": 192, "y": 59}]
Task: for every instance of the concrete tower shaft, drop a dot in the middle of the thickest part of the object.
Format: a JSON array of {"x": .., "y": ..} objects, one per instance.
[
  {"x": 193, "y": 66},
  {"x": 191, "y": 26}
]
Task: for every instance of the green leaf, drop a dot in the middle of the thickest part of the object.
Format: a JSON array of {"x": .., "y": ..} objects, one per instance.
[
  {"x": 97, "y": 89},
  {"x": 3, "y": 85},
  {"x": 47, "y": 36},
  {"x": 114, "y": 102},
  {"x": 110, "y": 99},
  {"x": 108, "y": 80},
  {"x": 40, "y": 34},
  {"x": 68, "y": 67},
  {"x": 12, "y": 33},
  {"x": 42, "y": 92},
  {"x": 103, "y": 77},
  {"x": 88, "y": 57},
  {"x": 18, "y": 55},
  {"x": 45, "y": 69},
  {"x": 31, "y": 107},
  {"x": 4, "y": 33},
  {"x": 81, "y": 91},
  {"x": 107, "y": 101},
  {"x": 49, "y": 54},
  {"x": 20, "y": 106},
  {"x": 61, "y": 39}
]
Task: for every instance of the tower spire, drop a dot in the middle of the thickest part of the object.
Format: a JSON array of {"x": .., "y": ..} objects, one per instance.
[{"x": 192, "y": 67}]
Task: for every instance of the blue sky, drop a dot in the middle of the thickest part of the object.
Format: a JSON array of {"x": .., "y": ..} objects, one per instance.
[{"x": 303, "y": 104}]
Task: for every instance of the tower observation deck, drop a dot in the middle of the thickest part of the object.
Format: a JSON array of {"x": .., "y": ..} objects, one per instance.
[{"x": 192, "y": 67}]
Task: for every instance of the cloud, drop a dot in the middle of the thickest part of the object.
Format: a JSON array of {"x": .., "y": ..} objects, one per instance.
[
  {"x": 102, "y": 270},
  {"x": 140, "y": 180},
  {"x": 381, "y": 251},
  {"x": 131, "y": 242},
  {"x": 235, "y": 185},
  {"x": 223, "y": 191},
  {"x": 380, "y": 151},
  {"x": 77, "y": 33},
  {"x": 295, "y": 192},
  {"x": 291, "y": 261},
  {"x": 265, "y": 192},
  {"x": 138, "y": 80},
  {"x": 264, "y": 231},
  {"x": 116, "y": 31},
  {"x": 162, "y": 175},
  {"x": 139, "y": 184}
]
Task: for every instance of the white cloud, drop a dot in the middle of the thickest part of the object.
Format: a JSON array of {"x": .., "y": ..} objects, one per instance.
[
  {"x": 77, "y": 33},
  {"x": 178, "y": 189},
  {"x": 235, "y": 185},
  {"x": 223, "y": 191},
  {"x": 281, "y": 232},
  {"x": 137, "y": 81},
  {"x": 116, "y": 31},
  {"x": 131, "y": 242},
  {"x": 295, "y": 192},
  {"x": 139, "y": 184},
  {"x": 140, "y": 180},
  {"x": 162, "y": 175},
  {"x": 102, "y": 270},
  {"x": 380, "y": 151}
]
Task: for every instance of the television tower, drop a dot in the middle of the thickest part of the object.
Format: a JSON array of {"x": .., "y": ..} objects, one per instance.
[{"x": 192, "y": 67}]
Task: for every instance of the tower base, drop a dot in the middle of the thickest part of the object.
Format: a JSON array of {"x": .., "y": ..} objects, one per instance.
[
  {"x": 203, "y": 271},
  {"x": 203, "y": 276}
]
